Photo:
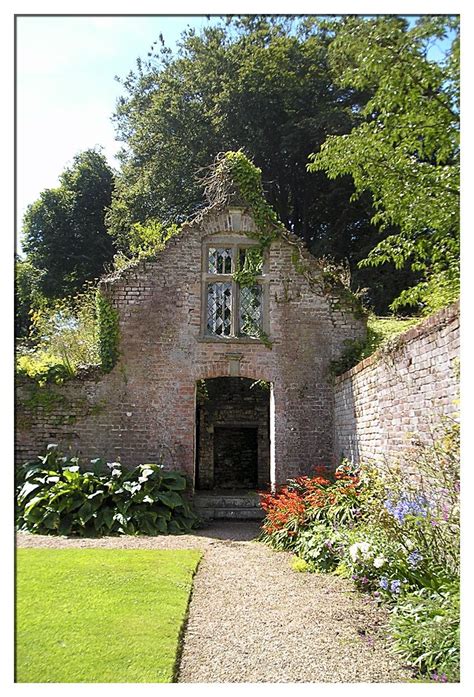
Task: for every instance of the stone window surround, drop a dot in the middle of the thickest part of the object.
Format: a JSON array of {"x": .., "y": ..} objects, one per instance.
[{"x": 234, "y": 242}]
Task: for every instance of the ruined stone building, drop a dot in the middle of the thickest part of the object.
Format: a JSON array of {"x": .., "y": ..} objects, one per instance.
[{"x": 226, "y": 381}]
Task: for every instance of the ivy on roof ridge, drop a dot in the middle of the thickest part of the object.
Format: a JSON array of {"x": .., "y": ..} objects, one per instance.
[{"x": 234, "y": 179}]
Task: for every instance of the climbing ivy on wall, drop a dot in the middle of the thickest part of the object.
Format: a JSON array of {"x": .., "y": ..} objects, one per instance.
[
  {"x": 42, "y": 397},
  {"x": 234, "y": 177},
  {"x": 108, "y": 332},
  {"x": 246, "y": 274},
  {"x": 248, "y": 179}
]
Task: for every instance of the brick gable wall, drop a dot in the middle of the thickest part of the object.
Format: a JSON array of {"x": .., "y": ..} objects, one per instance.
[{"x": 145, "y": 408}]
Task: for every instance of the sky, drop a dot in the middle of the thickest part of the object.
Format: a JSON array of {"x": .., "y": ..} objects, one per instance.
[
  {"x": 66, "y": 91},
  {"x": 66, "y": 88}
]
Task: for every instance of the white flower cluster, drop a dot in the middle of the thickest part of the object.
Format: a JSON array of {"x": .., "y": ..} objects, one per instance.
[{"x": 363, "y": 550}]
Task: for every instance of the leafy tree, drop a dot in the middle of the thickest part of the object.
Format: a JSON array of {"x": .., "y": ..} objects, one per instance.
[
  {"x": 258, "y": 83},
  {"x": 64, "y": 230},
  {"x": 27, "y": 296},
  {"x": 405, "y": 151}
]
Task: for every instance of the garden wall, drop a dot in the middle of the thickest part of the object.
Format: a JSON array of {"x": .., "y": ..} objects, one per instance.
[{"x": 396, "y": 397}]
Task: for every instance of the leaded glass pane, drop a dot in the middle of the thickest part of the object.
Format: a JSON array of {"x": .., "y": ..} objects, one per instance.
[
  {"x": 250, "y": 310},
  {"x": 219, "y": 309},
  {"x": 220, "y": 260}
]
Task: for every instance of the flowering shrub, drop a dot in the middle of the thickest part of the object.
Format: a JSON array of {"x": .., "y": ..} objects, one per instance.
[
  {"x": 393, "y": 531},
  {"x": 306, "y": 500},
  {"x": 368, "y": 556},
  {"x": 285, "y": 514}
]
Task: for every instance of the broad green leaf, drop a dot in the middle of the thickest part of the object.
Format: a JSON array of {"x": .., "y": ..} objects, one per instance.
[
  {"x": 27, "y": 489},
  {"x": 169, "y": 498}
]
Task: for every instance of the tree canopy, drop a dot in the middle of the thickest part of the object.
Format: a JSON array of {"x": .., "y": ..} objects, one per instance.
[
  {"x": 405, "y": 149},
  {"x": 362, "y": 98},
  {"x": 27, "y": 294},
  {"x": 65, "y": 237},
  {"x": 262, "y": 84}
]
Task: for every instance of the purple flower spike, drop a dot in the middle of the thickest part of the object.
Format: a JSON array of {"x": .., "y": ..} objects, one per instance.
[{"x": 417, "y": 506}]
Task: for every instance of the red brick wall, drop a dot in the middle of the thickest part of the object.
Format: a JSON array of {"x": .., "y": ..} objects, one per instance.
[
  {"x": 390, "y": 401},
  {"x": 146, "y": 405}
]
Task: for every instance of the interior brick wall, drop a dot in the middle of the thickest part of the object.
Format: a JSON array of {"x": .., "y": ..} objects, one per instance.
[{"x": 232, "y": 402}]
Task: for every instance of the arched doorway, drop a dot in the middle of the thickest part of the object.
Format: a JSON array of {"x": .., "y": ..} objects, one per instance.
[{"x": 233, "y": 434}]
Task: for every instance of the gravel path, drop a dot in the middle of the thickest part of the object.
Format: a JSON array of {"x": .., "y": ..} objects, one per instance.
[{"x": 253, "y": 619}]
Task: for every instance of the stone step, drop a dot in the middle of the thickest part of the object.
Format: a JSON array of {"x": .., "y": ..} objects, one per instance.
[
  {"x": 223, "y": 501},
  {"x": 232, "y": 506}
]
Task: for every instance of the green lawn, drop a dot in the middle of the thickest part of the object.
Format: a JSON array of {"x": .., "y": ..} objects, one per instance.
[{"x": 100, "y": 615}]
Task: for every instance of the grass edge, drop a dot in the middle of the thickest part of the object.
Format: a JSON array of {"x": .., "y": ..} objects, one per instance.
[{"x": 183, "y": 627}]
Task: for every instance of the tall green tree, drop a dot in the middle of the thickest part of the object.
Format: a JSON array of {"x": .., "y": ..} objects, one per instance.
[
  {"x": 64, "y": 230},
  {"x": 405, "y": 150},
  {"x": 258, "y": 83},
  {"x": 27, "y": 295}
]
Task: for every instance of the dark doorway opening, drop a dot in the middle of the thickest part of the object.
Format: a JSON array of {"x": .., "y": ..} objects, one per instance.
[
  {"x": 232, "y": 434},
  {"x": 235, "y": 457}
]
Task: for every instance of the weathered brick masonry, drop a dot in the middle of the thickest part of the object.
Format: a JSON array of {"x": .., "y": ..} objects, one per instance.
[
  {"x": 391, "y": 400},
  {"x": 145, "y": 407}
]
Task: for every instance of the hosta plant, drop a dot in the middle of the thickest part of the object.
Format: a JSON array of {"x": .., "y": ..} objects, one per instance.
[{"x": 57, "y": 496}]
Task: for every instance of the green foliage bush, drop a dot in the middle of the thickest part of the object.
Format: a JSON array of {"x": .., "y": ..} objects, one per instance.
[
  {"x": 380, "y": 330},
  {"x": 395, "y": 531},
  {"x": 62, "y": 338},
  {"x": 144, "y": 241},
  {"x": 425, "y": 627},
  {"x": 43, "y": 368},
  {"x": 56, "y": 497}
]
